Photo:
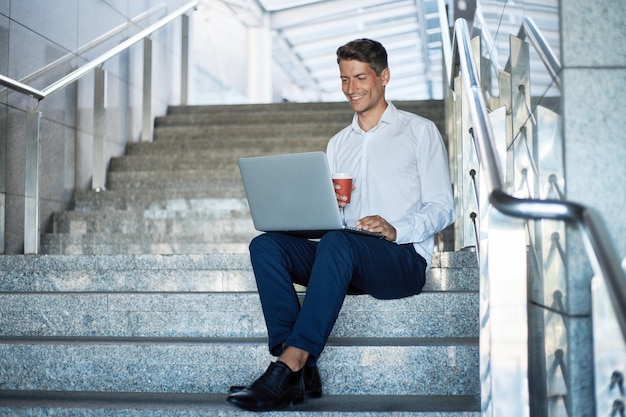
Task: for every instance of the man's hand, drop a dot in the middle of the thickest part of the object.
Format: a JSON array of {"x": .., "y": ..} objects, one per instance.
[
  {"x": 341, "y": 199},
  {"x": 378, "y": 225}
]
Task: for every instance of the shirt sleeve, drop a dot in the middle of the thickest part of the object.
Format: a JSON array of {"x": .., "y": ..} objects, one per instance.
[{"x": 436, "y": 210}]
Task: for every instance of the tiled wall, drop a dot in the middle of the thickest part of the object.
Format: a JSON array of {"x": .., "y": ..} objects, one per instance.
[
  {"x": 36, "y": 33},
  {"x": 594, "y": 98}
]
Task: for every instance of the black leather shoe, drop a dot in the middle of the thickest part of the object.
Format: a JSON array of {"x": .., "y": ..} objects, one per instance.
[
  {"x": 277, "y": 388},
  {"x": 312, "y": 383}
]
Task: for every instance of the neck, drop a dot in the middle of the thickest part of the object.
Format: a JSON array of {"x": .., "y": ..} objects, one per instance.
[{"x": 369, "y": 119}]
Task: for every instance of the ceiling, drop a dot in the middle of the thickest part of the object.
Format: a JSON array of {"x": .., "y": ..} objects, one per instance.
[{"x": 306, "y": 34}]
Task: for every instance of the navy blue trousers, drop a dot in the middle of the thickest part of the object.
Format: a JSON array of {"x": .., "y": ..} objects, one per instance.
[{"x": 340, "y": 263}]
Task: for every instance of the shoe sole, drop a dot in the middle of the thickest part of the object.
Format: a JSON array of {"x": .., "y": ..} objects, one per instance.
[
  {"x": 312, "y": 393},
  {"x": 279, "y": 406}
]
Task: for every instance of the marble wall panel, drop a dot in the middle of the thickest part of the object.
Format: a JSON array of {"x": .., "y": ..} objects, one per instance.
[
  {"x": 5, "y": 7},
  {"x": 595, "y": 33},
  {"x": 50, "y": 19},
  {"x": 594, "y": 148},
  {"x": 95, "y": 19},
  {"x": 30, "y": 51},
  {"x": 4, "y": 45}
]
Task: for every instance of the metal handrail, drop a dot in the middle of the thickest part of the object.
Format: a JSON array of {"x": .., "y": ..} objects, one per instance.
[
  {"x": 601, "y": 252},
  {"x": 85, "y": 69},
  {"x": 494, "y": 59},
  {"x": 446, "y": 44},
  {"x": 529, "y": 30},
  {"x": 21, "y": 87},
  {"x": 97, "y": 41}
]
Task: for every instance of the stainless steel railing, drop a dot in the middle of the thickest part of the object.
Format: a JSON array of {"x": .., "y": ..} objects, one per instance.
[
  {"x": 529, "y": 31},
  {"x": 492, "y": 191},
  {"x": 97, "y": 41},
  {"x": 601, "y": 252},
  {"x": 34, "y": 117},
  {"x": 90, "y": 66}
]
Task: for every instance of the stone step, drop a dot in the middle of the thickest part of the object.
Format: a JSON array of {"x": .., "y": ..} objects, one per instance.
[
  {"x": 260, "y": 117},
  {"x": 172, "y": 158},
  {"x": 244, "y": 109},
  {"x": 222, "y": 159},
  {"x": 239, "y": 144},
  {"x": 158, "y": 199},
  {"x": 212, "y": 118},
  {"x": 154, "y": 243},
  {"x": 288, "y": 114},
  {"x": 204, "y": 178},
  {"x": 81, "y": 404},
  {"x": 432, "y": 314},
  {"x": 260, "y": 132},
  {"x": 158, "y": 204},
  {"x": 144, "y": 243},
  {"x": 206, "y": 272},
  {"x": 416, "y": 106},
  {"x": 363, "y": 366},
  {"x": 179, "y": 223}
]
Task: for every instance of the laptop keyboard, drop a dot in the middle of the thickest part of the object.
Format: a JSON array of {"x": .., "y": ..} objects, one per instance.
[{"x": 364, "y": 232}]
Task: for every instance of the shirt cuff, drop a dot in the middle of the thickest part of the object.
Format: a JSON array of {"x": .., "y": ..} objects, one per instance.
[{"x": 403, "y": 233}]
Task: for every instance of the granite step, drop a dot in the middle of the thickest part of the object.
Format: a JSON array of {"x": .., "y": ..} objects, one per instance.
[
  {"x": 160, "y": 199},
  {"x": 417, "y": 106},
  {"x": 210, "y": 117},
  {"x": 197, "y": 314},
  {"x": 244, "y": 109},
  {"x": 213, "y": 118},
  {"x": 377, "y": 366},
  {"x": 177, "y": 200},
  {"x": 206, "y": 272},
  {"x": 206, "y": 143},
  {"x": 257, "y": 131},
  {"x": 200, "y": 178},
  {"x": 173, "y": 158},
  {"x": 144, "y": 243},
  {"x": 155, "y": 221},
  {"x": 81, "y": 404}
]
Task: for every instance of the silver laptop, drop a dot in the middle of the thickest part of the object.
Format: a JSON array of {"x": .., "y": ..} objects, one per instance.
[{"x": 292, "y": 193}]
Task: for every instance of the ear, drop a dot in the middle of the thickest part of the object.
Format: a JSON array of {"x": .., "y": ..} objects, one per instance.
[{"x": 385, "y": 75}]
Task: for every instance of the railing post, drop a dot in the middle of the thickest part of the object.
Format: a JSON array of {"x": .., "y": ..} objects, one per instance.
[
  {"x": 523, "y": 132},
  {"x": 184, "y": 62},
  {"x": 465, "y": 189},
  {"x": 31, "y": 182},
  {"x": 2, "y": 221},
  {"x": 146, "y": 117},
  {"x": 98, "y": 178},
  {"x": 503, "y": 316},
  {"x": 3, "y": 163}
]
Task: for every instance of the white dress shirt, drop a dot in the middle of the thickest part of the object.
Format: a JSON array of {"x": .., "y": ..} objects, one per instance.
[{"x": 400, "y": 170}]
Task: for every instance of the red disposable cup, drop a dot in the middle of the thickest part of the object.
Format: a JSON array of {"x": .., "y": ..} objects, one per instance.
[{"x": 345, "y": 181}]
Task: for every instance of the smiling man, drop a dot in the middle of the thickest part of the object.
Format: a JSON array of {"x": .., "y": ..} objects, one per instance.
[{"x": 401, "y": 189}]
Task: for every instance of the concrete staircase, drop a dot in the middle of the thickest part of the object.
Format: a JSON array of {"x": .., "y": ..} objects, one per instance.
[{"x": 145, "y": 301}]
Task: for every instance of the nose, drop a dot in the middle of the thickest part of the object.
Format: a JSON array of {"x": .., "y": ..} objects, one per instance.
[{"x": 350, "y": 87}]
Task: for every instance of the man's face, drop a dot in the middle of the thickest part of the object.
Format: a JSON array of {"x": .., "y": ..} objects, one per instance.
[{"x": 359, "y": 83}]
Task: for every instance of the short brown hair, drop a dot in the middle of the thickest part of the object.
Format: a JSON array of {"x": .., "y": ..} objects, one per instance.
[{"x": 365, "y": 50}]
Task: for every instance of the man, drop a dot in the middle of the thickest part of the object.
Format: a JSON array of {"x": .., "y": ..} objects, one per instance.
[{"x": 401, "y": 189}]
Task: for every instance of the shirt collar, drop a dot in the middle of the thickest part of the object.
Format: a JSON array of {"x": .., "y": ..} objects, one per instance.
[{"x": 388, "y": 117}]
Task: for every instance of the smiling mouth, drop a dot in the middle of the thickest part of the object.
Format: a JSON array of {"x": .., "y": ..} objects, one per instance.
[{"x": 356, "y": 97}]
